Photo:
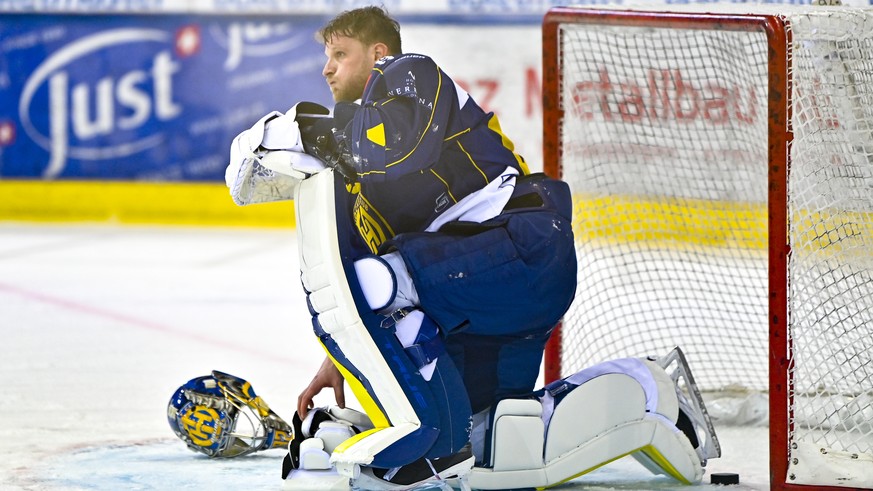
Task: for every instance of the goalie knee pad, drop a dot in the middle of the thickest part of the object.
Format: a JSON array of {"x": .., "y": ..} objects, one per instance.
[
  {"x": 382, "y": 361},
  {"x": 386, "y": 283}
]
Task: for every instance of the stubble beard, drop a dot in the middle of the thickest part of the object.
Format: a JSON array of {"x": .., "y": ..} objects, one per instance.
[{"x": 352, "y": 91}]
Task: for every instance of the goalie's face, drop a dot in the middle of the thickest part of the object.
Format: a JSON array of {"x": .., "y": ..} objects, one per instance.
[{"x": 348, "y": 66}]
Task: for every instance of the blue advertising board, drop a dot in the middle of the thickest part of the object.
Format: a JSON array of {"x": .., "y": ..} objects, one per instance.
[{"x": 145, "y": 97}]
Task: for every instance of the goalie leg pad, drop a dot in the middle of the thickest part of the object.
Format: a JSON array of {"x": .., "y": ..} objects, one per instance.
[
  {"x": 634, "y": 414},
  {"x": 413, "y": 417}
]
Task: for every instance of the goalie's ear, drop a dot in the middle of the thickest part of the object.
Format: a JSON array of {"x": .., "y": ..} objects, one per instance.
[{"x": 380, "y": 50}]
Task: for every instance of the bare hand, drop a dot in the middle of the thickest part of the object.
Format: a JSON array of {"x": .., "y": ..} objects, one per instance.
[{"x": 328, "y": 375}]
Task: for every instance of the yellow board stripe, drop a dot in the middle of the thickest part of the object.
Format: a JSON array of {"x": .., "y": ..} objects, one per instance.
[
  {"x": 670, "y": 222},
  {"x": 682, "y": 224},
  {"x": 674, "y": 222},
  {"x": 206, "y": 204},
  {"x": 847, "y": 232}
]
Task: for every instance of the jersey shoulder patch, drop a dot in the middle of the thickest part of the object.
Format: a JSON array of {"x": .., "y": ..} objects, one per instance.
[{"x": 404, "y": 75}]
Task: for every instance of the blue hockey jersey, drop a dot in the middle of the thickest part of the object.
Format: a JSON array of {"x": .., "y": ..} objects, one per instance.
[{"x": 419, "y": 144}]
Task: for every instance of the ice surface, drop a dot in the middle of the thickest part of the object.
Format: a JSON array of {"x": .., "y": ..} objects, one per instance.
[{"x": 100, "y": 324}]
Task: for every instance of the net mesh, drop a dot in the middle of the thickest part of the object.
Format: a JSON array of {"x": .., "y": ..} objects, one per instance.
[
  {"x": 664, "y": 143},
  {"x": 831, "y": 230}
]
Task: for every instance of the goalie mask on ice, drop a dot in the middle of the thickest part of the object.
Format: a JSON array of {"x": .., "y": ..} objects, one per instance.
[{"x": 221, "y": 416}]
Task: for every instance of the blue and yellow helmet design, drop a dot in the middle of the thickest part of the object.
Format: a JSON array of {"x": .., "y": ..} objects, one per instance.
[{"x": 220, "y": 415}]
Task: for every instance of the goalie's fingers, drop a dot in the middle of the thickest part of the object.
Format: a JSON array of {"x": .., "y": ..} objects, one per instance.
[
  {"x": 328, "y": 375},
  {"x": 339, "y": 394},
  {"x": 304, "y": 402}
]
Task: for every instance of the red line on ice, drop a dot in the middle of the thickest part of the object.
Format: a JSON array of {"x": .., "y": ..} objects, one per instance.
[{"x": 133, "y": 321}]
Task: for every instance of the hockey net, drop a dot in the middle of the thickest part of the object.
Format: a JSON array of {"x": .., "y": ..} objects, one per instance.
[{"x": 722, "y": 170}]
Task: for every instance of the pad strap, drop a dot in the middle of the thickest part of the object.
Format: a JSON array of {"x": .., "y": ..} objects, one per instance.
[{"x": 428, "y": 345}]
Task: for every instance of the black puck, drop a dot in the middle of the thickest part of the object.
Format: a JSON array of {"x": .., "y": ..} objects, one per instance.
[{"x": 724, "y": 478}]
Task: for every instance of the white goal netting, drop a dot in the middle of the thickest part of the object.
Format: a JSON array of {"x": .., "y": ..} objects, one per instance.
[{"x": 664, "y": 141}]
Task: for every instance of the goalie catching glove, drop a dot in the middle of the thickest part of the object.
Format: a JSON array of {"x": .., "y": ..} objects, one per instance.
[
  {"x": 268, "y": 160},
  {"x": 220, "y": 415}
]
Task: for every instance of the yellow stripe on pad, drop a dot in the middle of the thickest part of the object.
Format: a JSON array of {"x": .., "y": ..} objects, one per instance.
[
  {"x": 377, "y": 417},
  {"x": 342, "y": 447}
]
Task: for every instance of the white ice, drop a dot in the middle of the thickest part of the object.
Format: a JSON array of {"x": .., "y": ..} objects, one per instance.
[{"x": 101, "y": 323}]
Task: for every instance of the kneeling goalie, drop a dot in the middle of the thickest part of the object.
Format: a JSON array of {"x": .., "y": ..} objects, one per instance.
[{"x": 436, "y": 267}]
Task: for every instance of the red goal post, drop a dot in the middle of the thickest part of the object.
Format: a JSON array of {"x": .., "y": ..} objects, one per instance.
[{"x": 681, "y": 134}]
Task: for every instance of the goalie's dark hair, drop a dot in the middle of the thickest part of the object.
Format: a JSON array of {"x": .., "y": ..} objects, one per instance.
[{"x": 368, "y": 25}]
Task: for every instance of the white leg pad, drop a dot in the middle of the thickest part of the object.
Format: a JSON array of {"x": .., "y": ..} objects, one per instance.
[
  {"x": 604, "y": 418},
  {"x": 326, "y": 480},
  {"x": 322, "y": 275}
]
